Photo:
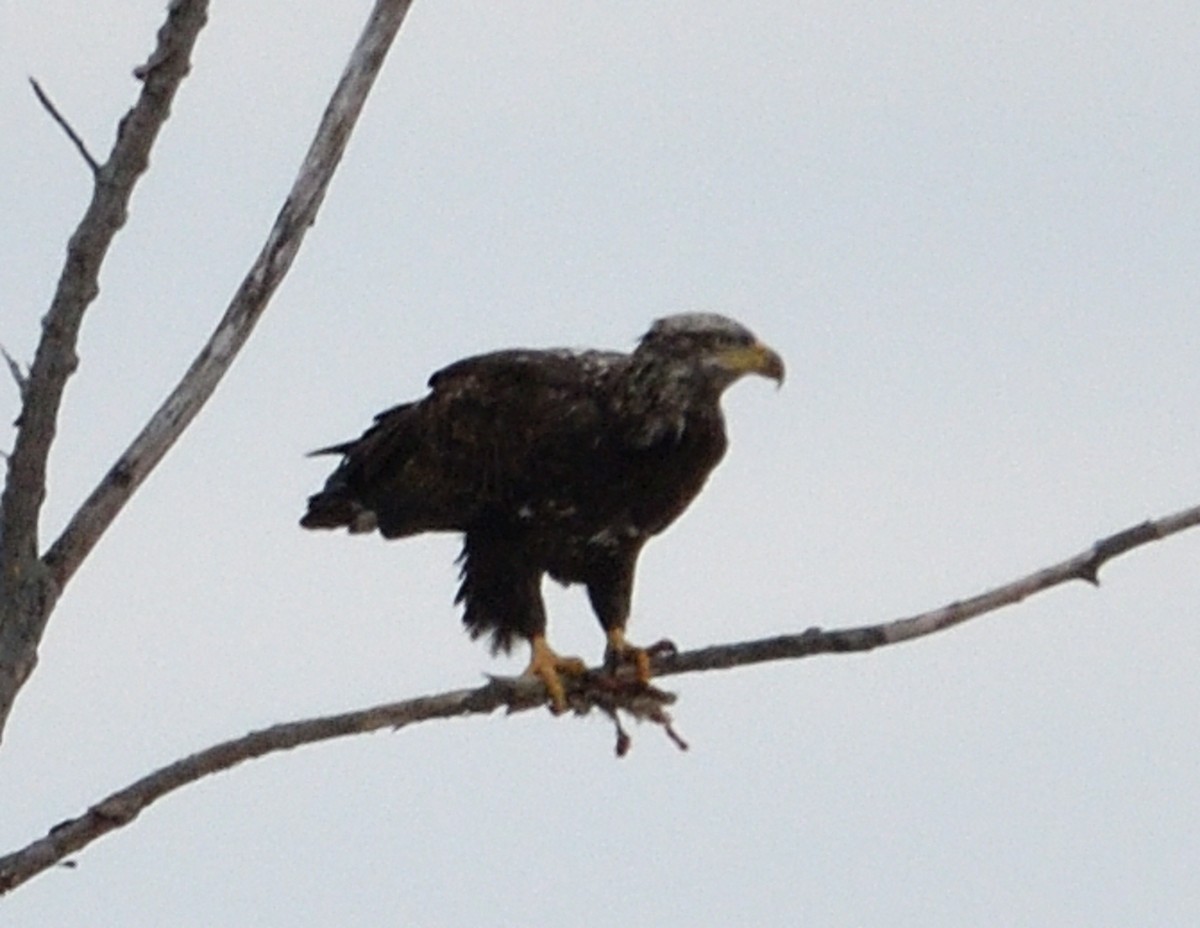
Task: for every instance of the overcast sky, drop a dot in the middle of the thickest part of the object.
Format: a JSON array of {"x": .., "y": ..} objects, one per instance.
[{"x": 971, "y": 229}]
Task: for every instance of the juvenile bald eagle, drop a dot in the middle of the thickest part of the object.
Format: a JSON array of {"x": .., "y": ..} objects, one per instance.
[{"x": 549, "y": 462}]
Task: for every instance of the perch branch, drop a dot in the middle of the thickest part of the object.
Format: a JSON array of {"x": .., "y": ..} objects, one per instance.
[
  {"x": 1083, "y": 566},
  {"x": 58, "y": 117},
  {"x": 299, "y": 211},
  {"x": 589, "y": 692},
  {"x": 27, "y": 589}
]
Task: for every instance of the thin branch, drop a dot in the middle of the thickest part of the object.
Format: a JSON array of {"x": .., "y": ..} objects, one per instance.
[
  {"x": 14, "y": 369},
  {"x": 65, "y": 126},
  {"x": 27, "y": 590},
  {"x": 593, "y": 691},
  {"x": 248, "y": 304},
  {"x": 1083, "y": 566}
]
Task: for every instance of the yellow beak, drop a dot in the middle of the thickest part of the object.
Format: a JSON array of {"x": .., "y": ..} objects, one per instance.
[{"x": 755, "y": 359}]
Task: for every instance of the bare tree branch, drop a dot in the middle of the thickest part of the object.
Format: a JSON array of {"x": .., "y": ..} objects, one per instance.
[
  {"x": 251, "y": 299},
  {"x": 595, "y": 690},
  {"x": 30, "y": 587},
  {"x": 28, "y": 590},
  {"x": 1084, "y": 566},
  {"x": 58, "y": 117}
]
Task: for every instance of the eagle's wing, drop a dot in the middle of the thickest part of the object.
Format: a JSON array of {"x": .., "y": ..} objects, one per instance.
[{"x": 500, "y": 431}]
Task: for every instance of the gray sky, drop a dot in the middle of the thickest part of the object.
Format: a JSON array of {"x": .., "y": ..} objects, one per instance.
[{"x": 972, "y": 231}]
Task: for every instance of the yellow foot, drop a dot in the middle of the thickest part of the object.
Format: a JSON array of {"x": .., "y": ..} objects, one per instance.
[
  {"x": 620, "y": 650},
  {"x": 547, "y": 666}
]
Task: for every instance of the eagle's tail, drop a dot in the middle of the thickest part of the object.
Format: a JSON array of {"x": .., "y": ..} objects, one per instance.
[
  {"x": 335, "y": 507},
  {"x": 379, "y": 450}
]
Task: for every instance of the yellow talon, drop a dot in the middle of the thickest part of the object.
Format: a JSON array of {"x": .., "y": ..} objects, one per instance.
[
  {"x": 547, "y": 666},
  {"x": 619, "y": 649}
]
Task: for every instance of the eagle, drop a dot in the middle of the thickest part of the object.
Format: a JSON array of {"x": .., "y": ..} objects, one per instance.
[{"x": 549, "y": 462}]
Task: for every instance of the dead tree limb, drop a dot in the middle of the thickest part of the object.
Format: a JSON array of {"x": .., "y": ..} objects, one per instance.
[
  {"x": 31, "y": 585},
  {"x": 28, "y": 589},
  {"x": 593, "y": 691},
  {"x": 299, "y": 211}
]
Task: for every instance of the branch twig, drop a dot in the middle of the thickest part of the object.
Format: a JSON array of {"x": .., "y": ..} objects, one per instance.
[
  {"x": 65, "y": 126},
  {"x": 15, "y": 370},
  {"x": 521, "y": 694}
]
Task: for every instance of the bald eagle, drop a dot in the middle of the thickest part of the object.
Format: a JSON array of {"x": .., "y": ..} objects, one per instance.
[{"x": 549, "y": 462}]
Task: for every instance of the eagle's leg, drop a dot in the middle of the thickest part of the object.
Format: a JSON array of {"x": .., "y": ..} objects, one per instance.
[
  {"x": 610, "y": 589},
  {"x": 503, "y": 596},
  {"x": 548, "y": 667}
]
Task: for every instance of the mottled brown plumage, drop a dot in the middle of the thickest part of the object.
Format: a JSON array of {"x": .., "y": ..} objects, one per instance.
[{"x": 549, "y": 462}]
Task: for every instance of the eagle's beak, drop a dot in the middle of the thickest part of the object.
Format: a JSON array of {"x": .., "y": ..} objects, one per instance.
[{"x": 756, "y": 359}]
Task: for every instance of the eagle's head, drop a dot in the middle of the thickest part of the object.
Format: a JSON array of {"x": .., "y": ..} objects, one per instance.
[{"x": 724, "y": 350}]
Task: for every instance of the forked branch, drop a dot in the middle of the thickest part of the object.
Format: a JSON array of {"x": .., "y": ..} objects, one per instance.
[
  {"x": 29, "y": 585},
  {"x": 298, "y": 213},
  {"x": 28, "y": 590},
  {"x": 590, "y": 692}
]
